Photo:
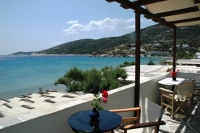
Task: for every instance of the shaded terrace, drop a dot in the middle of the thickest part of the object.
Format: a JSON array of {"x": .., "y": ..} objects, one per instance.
[{"x": 169, "y": 13}]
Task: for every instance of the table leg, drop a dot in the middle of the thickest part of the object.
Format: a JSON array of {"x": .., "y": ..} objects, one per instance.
[
  {"x": 112, "y": 131},
  {"x": 75, "y": 130},
  {"x": 173, "y": 87}
]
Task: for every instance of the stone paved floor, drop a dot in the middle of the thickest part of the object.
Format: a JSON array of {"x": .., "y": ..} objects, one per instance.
[{"x": 182, "y": 123}]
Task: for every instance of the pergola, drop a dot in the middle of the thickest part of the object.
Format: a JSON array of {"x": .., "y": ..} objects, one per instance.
[{"x": 169, "y": 13}]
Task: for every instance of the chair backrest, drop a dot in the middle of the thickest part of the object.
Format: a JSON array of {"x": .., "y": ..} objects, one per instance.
[
  {"x": 197, "y": 82},
  {"x": 185, "y": 90},
  {"x": 150, "y": 112},
  {"x": 188, "y": 81}
]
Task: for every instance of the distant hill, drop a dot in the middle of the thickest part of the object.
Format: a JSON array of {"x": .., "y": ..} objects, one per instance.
[
  {"x": 87, "y": 46},
  {"x": 23, "y": 53},
  {"x": 152, "y": 34}
]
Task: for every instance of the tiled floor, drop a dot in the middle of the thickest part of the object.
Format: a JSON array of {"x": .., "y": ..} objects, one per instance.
[{"x": 182, "y": 123}]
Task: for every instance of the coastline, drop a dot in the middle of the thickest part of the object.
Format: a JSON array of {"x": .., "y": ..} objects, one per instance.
[{"x": 24, "y": 74}]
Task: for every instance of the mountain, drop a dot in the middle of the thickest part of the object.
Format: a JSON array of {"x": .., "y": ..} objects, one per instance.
[
  {"x": 87, "y": 46},
  {"x": 149, "y": 35}
]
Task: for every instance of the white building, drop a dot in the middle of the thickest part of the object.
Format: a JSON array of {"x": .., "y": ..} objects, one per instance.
[{"x": 198, "y": 54}]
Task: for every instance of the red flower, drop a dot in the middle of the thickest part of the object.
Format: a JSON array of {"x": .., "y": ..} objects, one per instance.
[
  {"x": 105, "y": 93},
  {"x": 104, "y": 99},
  {"x": 98, "y": 99},
  {"x": 173, "y": 74},
  {"x": 104, "y": 96}
]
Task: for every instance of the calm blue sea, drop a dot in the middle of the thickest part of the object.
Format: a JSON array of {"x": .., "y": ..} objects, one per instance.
[{"x": 25, "y": 74}]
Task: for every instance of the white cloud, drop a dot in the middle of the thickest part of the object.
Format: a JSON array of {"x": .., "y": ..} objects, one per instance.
[
  {"x": 74, "y": 29},
  {"x": 107, "y": 24},
  {"x": 72, "y": 22}
]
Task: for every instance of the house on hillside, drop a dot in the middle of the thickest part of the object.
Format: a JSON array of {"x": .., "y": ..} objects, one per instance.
[
  {"x": 182, "y": 45},
  {"x": 159, "y": 53},
  {"x": 198, "y": 55},
  {"x": 156, "y": 44}
]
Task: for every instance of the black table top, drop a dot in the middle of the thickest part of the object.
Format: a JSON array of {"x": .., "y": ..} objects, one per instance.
[{"x": 81, "y": 122}]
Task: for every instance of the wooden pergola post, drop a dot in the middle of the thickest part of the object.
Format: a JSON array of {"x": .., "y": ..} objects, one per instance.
[
  {"x": 174, "y": 49},
  {"x": 137, "y": 57}
]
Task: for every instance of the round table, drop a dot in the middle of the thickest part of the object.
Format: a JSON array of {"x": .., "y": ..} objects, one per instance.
[{"x": 81, "y": 122}]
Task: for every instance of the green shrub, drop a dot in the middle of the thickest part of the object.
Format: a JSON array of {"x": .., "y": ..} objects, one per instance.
[
  {"x": 120, "y": 73},
  {"x": 126, "y": 63},
  {"x": 72, "y": 79},
  {"x": 92, "y": 81},
  {"x": 150, "y": 62}
]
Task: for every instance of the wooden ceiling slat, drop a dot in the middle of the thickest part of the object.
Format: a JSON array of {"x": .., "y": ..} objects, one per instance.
[
  {"x": 146, "y": 2},
  {"x": 185, "y": 20},
  {"x": 158, "y": 17},
  {"x": 127, "y": 4},
  {"x": 109, "y": 0},
  {"x": 176, "y": 12},
  {"x": 196, "y": 1}
]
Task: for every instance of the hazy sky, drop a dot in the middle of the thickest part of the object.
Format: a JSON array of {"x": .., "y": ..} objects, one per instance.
[{"x": 33, "y": 25}]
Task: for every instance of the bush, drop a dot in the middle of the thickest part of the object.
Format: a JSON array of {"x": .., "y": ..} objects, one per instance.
[
  {"x": 120, "y": 73},
  {"x": 150, "y": 62},
  {"x": 72, "y": 79},
  {"x": 126, "y": 63},
  {"x": 92, "y": 81}
]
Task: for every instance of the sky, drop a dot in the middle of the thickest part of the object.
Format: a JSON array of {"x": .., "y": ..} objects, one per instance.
[{"x": 34, "y": 25}]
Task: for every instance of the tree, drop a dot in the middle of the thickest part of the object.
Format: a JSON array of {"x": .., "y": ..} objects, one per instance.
[
  {"x": 150, "y": 62},
  {"x": 92, "y": 81},
  {"x": 72, "y": 79}
]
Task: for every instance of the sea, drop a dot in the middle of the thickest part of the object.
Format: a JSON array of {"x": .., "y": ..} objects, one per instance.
[{"x": 23, "y": 75}]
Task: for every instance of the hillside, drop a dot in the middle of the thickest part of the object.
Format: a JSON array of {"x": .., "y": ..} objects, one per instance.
[
  {"x": 149, "y": 35},
  {"x": 86, "y": 46}
]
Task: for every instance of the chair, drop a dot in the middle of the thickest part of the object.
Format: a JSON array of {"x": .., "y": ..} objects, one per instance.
[
  {"x": 185, "y": 96},
  {"x": 197, "y": 87},
  {"x": 175, "y": 100},
  {"x": 146, "y": 116},
  {"x": 167, "y": 100}
]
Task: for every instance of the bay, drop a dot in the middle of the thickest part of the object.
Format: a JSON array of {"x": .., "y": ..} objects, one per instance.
[{"x": 25, "y": 74}]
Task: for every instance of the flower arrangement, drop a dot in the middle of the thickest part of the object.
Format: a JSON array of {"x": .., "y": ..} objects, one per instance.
[
  {"x": 98, "y": 100},
  {"x": 173, "y": 73}
]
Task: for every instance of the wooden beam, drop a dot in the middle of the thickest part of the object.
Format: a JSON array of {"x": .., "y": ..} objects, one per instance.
[
  {"x": 176, "y": 12},
  {"x": 196, "y": 1},
  {"x": 127, "y": 3},
  {"x": 186, "y": 20},
  {"x": 146, "y": 2},
  {"x": 133, "y": 5},
  {"x": 109, "y": 0}
]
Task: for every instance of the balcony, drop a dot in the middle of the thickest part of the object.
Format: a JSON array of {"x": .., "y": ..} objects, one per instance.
[{"x": 51, "y": 117}]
